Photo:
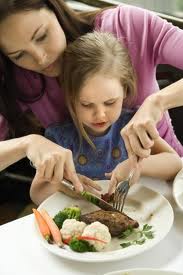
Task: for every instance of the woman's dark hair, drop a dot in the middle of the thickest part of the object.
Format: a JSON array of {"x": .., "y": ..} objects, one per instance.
[{"x": 74, "y": 24}]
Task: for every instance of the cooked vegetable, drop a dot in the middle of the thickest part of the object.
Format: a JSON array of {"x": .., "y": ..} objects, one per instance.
[
  {"x": 68, "y": 213},
  {"x": 97, "y": 231},
  {"x": 43, "y": 227},
  {"x": 72, "y": 228},
  {"x": 81, "y": 246},
  {"x": 55, "y": 232},
  {"x": 60, "y": 218}
]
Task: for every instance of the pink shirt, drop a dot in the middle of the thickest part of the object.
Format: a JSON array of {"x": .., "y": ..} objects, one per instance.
[{"x": 150, "y": 41}]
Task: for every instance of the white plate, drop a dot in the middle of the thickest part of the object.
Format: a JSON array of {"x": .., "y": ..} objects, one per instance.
[
  {"x": 143, "y": 272},
  {"x": 178, "y": 189},
  {"x": 143, "y": 204}
]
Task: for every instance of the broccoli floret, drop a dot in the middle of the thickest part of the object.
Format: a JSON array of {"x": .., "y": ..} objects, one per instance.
[
  {"x": 67, "y": 213},
  {"x": 73, "y": 212},
  {"x": 60, "y": 218},
  {"x": 81, "y": 246}
]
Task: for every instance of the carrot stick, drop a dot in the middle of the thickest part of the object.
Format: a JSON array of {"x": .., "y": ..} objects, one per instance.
[
  {"x": 90, "y": 239},
  {"x": 43, "y": 227},
  {"x": 55, "y": 232},
  {"x": 85, "y": 238}
]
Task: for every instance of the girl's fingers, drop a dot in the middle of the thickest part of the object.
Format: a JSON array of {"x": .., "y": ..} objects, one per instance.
[
  {"x": 112, "y": 185},
  {"x": 108, "y": 175}
]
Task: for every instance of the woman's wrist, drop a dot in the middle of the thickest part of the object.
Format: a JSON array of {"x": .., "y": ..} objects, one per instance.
[
  {"x": 156, "y": 105},
  {"x": 171, "y": 96},
  {"x": 28, "y": 140}
]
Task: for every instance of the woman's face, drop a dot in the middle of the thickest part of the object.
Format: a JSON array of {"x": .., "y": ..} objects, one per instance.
[{"x": 34, "y": 40}]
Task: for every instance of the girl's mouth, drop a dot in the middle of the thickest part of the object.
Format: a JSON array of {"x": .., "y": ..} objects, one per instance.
[{"x": 99, "y": 125}]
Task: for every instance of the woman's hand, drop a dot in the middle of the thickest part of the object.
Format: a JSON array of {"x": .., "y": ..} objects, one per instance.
[
  {"x": 90, "y": 185},
  {"x": 52, "y": 162},
  {"x": 121, "y": 172},
  {"x": 41, "y": 189},
  {"x": 139, "y": 134}
]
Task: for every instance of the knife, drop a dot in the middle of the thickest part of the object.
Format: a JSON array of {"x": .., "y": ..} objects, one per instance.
[{"x": 91, "y": 197}]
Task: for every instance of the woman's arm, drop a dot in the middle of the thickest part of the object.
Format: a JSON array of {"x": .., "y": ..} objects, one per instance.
[
  {"x": 52, "y": 162},
  {"x": 140, "y": 133},
  {"x": 163, "y": 163}
]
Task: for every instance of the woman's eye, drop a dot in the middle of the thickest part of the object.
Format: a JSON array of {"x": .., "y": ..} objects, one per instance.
[
  {"x": 18, "y": 56},
  {"x": 41, "y": 38}
]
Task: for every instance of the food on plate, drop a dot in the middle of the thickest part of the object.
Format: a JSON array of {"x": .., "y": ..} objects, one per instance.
[
  {"x": 72, "y": 212},
  {"x": 43, "y": 227},
  {"x": 97, "y": 231},
  {"x": 82, "y": 238},
  {"x": 72, "y": 228},
  {"x": 55, "y": 232},
  {"x": 116, "y": 222},
  {"x": 81, "y": 246},
  {"x": 91, "y": 232},
  {"x": 137, "y": 236}
]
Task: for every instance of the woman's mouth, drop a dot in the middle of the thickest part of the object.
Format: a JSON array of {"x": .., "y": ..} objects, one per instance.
[{"x": 50, "y": 67}]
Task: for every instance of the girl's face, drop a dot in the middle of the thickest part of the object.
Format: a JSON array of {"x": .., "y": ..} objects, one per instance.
[
  {"x": 100, "y": 103},
  {"x": 34, "y": 40}
]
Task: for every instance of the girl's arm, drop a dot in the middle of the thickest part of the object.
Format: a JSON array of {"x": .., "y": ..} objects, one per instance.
[{"x": 163, "y": 163}]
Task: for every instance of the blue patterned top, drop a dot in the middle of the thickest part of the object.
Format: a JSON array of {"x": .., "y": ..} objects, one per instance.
[{"x": 93, "y": 163}]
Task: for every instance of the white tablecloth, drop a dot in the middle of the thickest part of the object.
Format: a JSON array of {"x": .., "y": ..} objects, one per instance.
[{"x": 22, "y": 254}]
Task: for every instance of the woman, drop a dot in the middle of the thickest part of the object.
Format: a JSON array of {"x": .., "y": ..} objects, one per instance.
[{"x": 33, "y": 36}]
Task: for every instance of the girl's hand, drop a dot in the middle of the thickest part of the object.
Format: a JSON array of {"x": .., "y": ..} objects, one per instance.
[
  {"x": 52, "y": 162},
  {"x": 139, "y": 134},
  {"x": 121, "y": 172}
]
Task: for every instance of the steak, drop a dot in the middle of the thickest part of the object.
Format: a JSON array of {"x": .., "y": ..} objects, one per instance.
[{"x": 116, "y": 222}]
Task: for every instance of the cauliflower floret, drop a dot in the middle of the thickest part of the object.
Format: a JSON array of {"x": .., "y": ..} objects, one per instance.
[
  {"x": 99, "y": 231},
  {"x": 72, "y": 228}
]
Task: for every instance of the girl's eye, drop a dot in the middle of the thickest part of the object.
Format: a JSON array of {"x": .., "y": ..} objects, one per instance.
[
  {"x": 41, "y": 38},
  {"x": 86, "y": 105},
  {"x": 110, "y": 103}
]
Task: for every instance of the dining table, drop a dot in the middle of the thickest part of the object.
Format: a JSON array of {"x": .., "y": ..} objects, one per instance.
[{"x": 22, "y": 254}]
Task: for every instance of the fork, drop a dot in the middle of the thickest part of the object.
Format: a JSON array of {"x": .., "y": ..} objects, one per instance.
[{"x": 121, "y": 192}]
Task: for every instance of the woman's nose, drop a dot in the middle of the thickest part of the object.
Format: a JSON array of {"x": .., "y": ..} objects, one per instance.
[{"x": 40, "y": 57}]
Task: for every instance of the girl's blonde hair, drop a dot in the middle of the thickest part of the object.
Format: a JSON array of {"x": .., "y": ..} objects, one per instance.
[{"x": 90, "y": 54}]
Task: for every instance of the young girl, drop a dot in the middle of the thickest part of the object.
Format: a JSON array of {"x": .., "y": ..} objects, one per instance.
[{"x": 98, "y": 78}]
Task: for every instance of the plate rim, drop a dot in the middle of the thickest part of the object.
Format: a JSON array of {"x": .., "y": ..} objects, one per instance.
[
  {"x": 164, "y": 271},
  {"x": 177, "y": 178}
]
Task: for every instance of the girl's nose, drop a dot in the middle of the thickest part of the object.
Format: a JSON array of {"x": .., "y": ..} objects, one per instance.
[{"x": 100, "y": 113}]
